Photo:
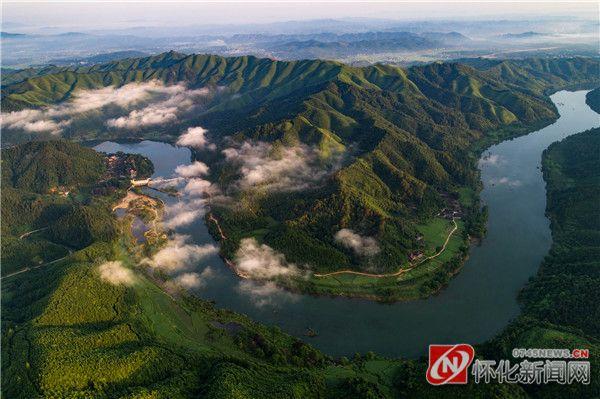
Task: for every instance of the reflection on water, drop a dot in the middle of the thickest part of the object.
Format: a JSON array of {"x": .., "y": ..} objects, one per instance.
[{"x": 477, "y": 304}]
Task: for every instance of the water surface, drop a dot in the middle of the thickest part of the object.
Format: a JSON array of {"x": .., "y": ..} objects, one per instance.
[{"x": 477, "y": 303}]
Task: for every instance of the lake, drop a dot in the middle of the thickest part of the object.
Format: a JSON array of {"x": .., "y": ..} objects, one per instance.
[{"x": 477, "y": 304}]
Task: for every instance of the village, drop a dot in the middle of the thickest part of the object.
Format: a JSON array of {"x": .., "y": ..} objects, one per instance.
[{"x": 452, "y": 211}]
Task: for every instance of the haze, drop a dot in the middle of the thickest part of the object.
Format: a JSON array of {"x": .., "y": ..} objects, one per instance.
[{"x": 85, "y": 16}]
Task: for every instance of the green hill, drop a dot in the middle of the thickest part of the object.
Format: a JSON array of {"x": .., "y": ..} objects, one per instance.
[
  {"x": 39, "y": 166},
  {"x": 592, "y": 99},
  {"x": 406, "y": 137},
  {"x": 46, "y": 187}
]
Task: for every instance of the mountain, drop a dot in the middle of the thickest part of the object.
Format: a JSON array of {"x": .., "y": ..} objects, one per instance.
[
  {"x": 523, "y": 35},
  {"x": 8, "y": 35},
  {"x": 405, "y": 137},
  {"x": 85, "y": 337},
  {"x": 350, "y": 44}
]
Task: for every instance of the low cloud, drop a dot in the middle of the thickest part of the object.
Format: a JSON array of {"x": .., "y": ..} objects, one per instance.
[
  {"x": 179, "y": 99},
  {"x": 193, "y": 280},
  {"x": 197, "y": 187},
  {"x": 162, "y": 183},
  {"x": 115, "y": 273},
  {"x": 491, "y": 159},
  {"x": 280, "y": 169},
  {"x": 163, "y": 104},
  {"x": 195, "y": 137},
  {"x": 183, "y": 213},
  {"x": 261, "y": 261},
  {"x": 362, "y": 246},
  {"x": 505, "y": 181},
  {"x": 179, "y": 255},
  {"x": 192, "y": 170},
  {"x": 265, "y": 293}
]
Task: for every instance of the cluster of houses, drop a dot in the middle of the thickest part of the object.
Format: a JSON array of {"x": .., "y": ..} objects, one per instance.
[
  {"x": 120, "y": 165},
  {"x": 453, "y": 210}
]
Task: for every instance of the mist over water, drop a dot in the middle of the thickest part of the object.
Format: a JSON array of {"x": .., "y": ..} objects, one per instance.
[{"x": 479, "y": 301}]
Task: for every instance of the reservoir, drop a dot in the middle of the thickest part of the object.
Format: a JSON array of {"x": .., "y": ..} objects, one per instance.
[{"x": 477, "y": 304}]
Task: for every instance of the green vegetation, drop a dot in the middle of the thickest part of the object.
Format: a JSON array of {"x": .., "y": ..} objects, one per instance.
[
  {"x": 592, "y": 99},
  {"x": 67, "y": 333},
  {"x": 47, "y": 189},
  {"x": 409, "y": 139}
]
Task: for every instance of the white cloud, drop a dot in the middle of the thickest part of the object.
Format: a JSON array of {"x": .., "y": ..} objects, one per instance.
[
  {"x": 363, "y": 246},
  {"x": 165, "y": 104},
  {"x": 265, "y": 293},
  {"x": 197, "y": 187},
  {"x": 149, "y": 116},
  {"x": 260, "y": 261},
  {"x": 162, "y": 183},
  {"x": 179, "y": 99},
  {"x": 505, "y": 181},
  {"x": 192, "y": 170},
  {"x": 491, "y": 159},
  {"x": 193, "y": 280},
  {"x": 282, "y": 168},
  {"x": 183, "y": 213},
  {"x": 115, "y": 273},
  {"x": 195, "y": 137},
  {"x": 178, "y": 254}
]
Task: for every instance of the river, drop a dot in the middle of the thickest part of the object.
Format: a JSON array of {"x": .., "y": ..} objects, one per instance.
[{"x": 477, "y": 304}]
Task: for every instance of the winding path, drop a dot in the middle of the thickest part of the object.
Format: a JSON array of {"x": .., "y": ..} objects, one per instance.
[
  {"x": 24, "y": 235},
  {"x": 401, "y": 270}
]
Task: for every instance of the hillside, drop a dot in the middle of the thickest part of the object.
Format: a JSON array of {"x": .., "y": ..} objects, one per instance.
[
  {"x": 39, "y": 166},
  {"x": 47, "y": 209},
  {"x": 382, "y": 149},
  {"x": 592, "y": 99}
]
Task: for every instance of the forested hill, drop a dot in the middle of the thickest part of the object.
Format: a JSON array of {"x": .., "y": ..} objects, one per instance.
[
  {"x": 592, "y": 99},
  {"x": 269, "y": 79},
  {"x": 46, "y": 188},
  {"x": 39, "y": 166},
  {"x": 572, "y": 172},
  {"x": 405, "y": 135}
]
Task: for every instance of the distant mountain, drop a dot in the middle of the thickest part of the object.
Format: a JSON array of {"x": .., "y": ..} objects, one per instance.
[
  {"x": 72, "y": 34},
  {"x": 7, "y": 35},
  {"x": 447, "y": 38},
  {"x": 331, "y": 46},
  {"x": 524, "y": 35}
]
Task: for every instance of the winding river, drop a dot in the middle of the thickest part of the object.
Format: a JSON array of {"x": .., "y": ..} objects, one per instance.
[{"x": 479, "y": 301}]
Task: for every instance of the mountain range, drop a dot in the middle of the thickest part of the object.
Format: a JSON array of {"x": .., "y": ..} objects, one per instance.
[{"x": 401, "y": 140}]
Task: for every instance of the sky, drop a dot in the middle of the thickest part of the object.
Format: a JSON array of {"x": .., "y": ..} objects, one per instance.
[{"x": 89, "y": 15}]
